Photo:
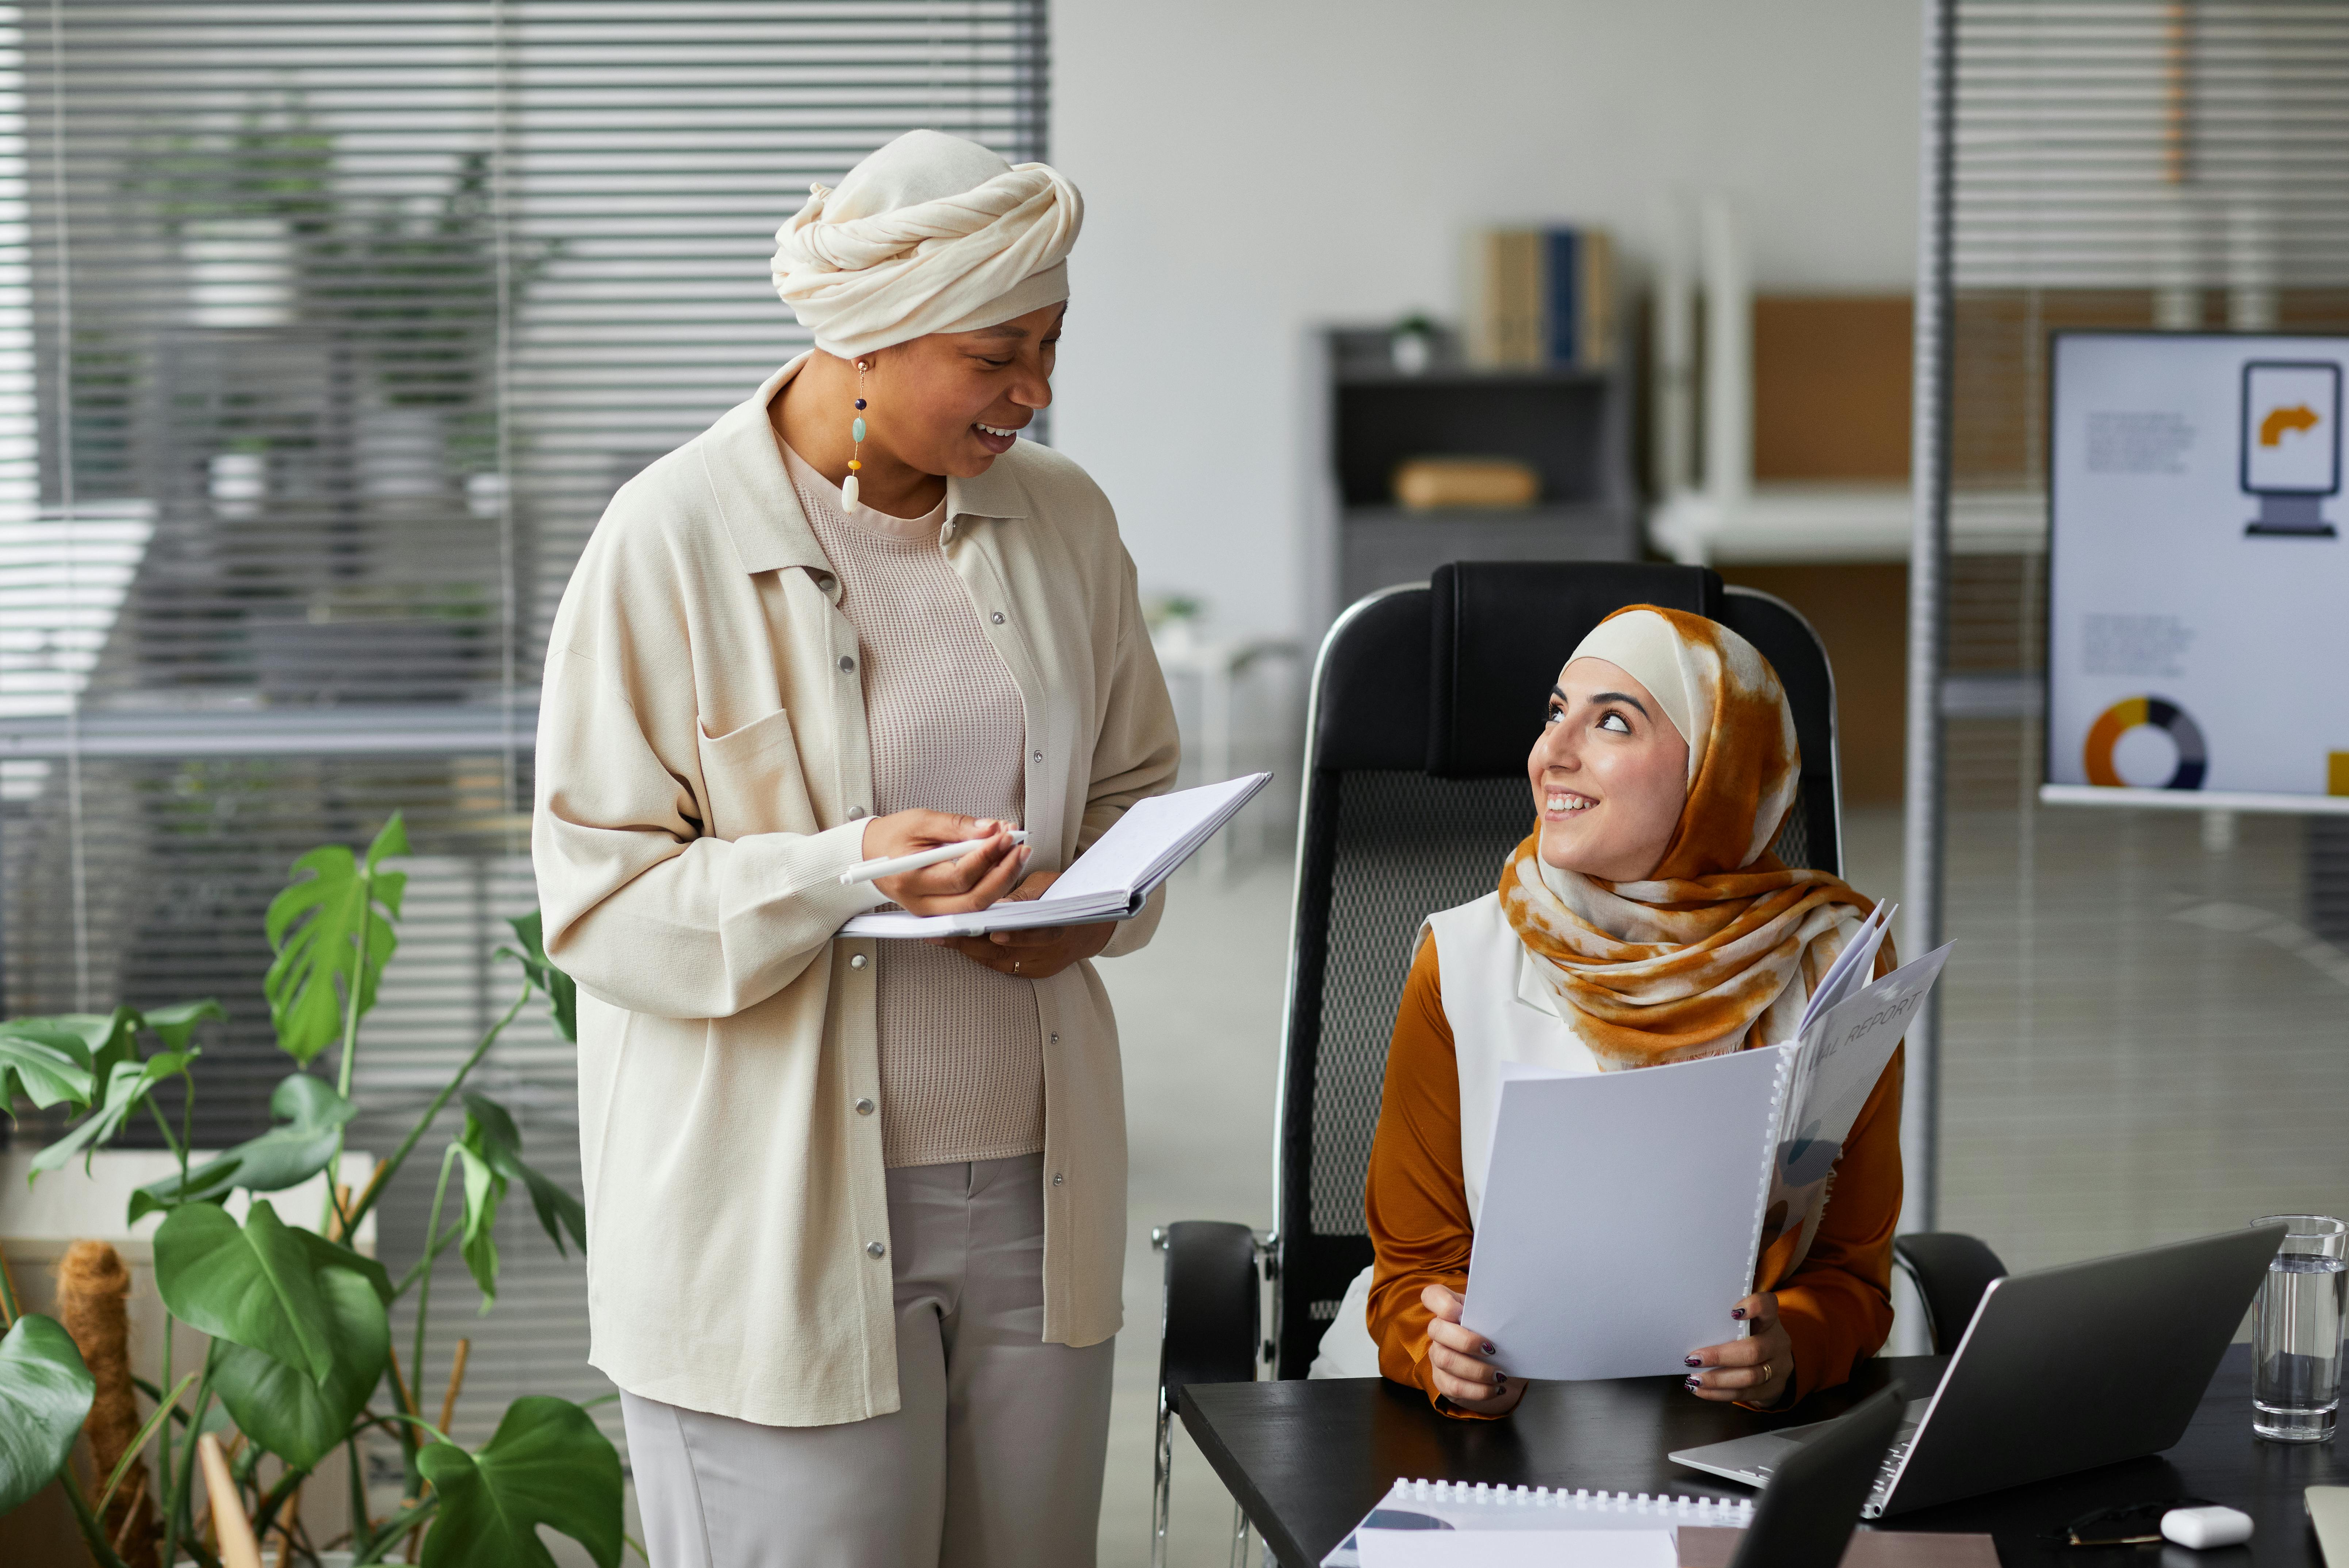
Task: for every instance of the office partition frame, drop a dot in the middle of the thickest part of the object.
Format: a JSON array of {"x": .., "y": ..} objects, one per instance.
[{"x": 1922, "y": 786}]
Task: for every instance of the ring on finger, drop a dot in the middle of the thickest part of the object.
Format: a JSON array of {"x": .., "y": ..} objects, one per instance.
[{"x": 1766, "y": 1372}]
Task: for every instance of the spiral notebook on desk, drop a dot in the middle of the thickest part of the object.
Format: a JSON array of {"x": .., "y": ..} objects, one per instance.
[
  {"x": 1111, "y": 881},
  {"x": 1624, "y": 1213},
  {"x": 1616, "y": 1526}
]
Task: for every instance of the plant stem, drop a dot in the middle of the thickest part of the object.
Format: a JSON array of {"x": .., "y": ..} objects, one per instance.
[
  {"x": 350, "y": 1044},
  {"x": 171, "y": 1140},
  {"x": 265, "y": 1515},
  {"x": 93, "y": 1530},
  {"x": 416, "y": 1270},
  {"x": 9, "y": 1311},
  {"x": 390, "y": 1167},
  {"x": 179, "y": 1514},
  {"x": 187, "y": 1126},
  {"x": 424, "y": 1286},
  {"x": 163, "y": 1438},
  {"x": 362, "y": 1527},
  {"x": 398, "y": 1525}
]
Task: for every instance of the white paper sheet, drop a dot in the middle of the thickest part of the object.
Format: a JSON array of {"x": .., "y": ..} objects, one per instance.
[
  {"x": 1518, "y": 1549},
  {"x": 1845, "y": 1052},
  {"x": 1852, "y": 967},
  {"x": 1621, "y": 1214}
]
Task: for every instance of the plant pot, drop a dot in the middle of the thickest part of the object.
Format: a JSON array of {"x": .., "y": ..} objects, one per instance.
[
  {"x": 239, "y": 272},
  {"x": 402, "y": 455}
]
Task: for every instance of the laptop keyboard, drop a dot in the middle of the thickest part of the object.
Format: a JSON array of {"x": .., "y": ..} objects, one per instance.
[{"x": 1890, "y": 1471}]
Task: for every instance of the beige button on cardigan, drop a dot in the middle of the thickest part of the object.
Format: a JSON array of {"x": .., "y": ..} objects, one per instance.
[{"x": 703, "y": 777}]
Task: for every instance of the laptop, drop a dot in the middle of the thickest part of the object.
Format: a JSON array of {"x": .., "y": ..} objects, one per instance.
[
  {"x": 1804, "y": 1518},
  {"x": 2062, "y": 1369}
]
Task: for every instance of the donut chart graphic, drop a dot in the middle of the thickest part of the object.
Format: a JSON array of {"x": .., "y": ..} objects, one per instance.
[{"x": 2193, "y": 757}]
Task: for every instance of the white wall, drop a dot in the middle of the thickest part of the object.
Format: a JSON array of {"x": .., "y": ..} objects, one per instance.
[{"x": 1252, "y": 168}]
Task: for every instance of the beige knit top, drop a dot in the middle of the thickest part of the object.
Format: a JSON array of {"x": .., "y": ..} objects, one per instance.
[{"x": 962, "y": 1049}]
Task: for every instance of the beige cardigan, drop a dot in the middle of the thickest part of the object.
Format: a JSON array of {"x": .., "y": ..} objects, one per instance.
[{"x": 703, "y": 775}]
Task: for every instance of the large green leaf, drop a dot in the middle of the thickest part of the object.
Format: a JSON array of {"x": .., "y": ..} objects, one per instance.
[
  {"x": 484, "y": 1190},
  {"x": 44, "y": 1395},
  {"x": 562, "y": 990},
  {"x": 310, "y": 1122},
  {"x": 313, "y": 926},
  {"x": 281, "y": 1407},
  {"x": 109, "y": 1037},
  {"x": 70, "y": 1058},
  {"x": 177, "y": 1023},
  {"x": 261, "y": 1288},
  {"x": 547, "y": 1465},
  {"x": 43, "y": 1062},
  {"x": 126, "y": 1086},
  {"x": 490, "y": 1149}
]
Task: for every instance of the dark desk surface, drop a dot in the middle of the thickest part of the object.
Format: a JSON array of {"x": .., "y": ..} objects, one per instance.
[{"x": 1308, "y": 1460}]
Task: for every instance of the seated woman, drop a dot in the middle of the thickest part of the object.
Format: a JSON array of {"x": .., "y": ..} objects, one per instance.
[{"x": 1643, "y": 922}]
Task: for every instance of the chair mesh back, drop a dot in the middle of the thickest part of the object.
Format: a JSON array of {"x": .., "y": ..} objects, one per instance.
[{"x": 1407, "y": 846}]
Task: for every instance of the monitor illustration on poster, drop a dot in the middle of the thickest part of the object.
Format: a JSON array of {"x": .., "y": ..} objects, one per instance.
[{"x": 2198, "y": 604}]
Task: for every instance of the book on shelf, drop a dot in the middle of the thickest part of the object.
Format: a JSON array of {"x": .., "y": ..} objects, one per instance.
[{"x": 1542, "y": 298}]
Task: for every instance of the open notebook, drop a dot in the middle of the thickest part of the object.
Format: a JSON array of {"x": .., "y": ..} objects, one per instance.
[
  {"x": 1624, "y": 1213},
  {"x": 1111, "y": 881}
]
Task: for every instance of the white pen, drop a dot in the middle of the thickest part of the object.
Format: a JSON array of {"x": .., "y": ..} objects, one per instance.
[{"x": 872, "y": 871}]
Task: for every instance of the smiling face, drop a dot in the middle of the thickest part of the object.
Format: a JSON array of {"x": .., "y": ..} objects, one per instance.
[
  {"x": 950, "y": 403},
  {"x": 1610, "y": 775}
]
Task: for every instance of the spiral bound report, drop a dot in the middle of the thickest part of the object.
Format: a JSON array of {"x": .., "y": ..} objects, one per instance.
[
  {"x": 1463, "y": 1505},
  {"x": 1621, "y": 1214}
]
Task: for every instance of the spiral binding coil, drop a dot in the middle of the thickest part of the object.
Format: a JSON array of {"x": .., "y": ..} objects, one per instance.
[
  {"x": 1732, "y": 1511},
  {"x": 1769, "y": 1169}
]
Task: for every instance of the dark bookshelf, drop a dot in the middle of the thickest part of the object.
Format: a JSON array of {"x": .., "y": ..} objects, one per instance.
[{"x": 1571, "y": 426}]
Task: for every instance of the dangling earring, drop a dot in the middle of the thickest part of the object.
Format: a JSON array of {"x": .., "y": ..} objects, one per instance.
[{"x": 856, "y": 440}]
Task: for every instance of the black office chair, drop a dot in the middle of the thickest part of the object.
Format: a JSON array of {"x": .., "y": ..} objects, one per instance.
[
  {"x": 1425, "y": 699},
  {"x": 1951, "y": 1272}
]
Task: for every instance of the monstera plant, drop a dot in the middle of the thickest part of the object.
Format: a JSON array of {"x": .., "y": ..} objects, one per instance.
[{"x": 301, "y": 1362}]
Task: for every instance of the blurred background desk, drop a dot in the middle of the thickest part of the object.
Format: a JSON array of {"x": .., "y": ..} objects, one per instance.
[{"x": 1308, "y": 1459}]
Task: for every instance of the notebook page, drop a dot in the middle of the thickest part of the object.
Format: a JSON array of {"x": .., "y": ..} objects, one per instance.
[
  {"x": 1622, "y": 1211},
  {"x": 1139, "y": 848},
  {"x": 1162, "y": 829}
]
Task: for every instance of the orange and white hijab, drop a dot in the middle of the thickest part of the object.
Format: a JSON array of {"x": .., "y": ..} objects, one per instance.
[{"x": 1718, "y": 949}]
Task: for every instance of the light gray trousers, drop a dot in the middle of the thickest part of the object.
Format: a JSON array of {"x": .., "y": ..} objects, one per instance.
[{"x": 993, "y": 1457}]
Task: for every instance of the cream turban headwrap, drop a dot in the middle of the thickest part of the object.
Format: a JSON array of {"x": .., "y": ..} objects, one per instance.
[{"x": 930, "y": 233}]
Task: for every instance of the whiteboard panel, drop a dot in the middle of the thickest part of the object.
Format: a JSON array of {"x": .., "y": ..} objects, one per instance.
[{"x": 2198, "y": 582}]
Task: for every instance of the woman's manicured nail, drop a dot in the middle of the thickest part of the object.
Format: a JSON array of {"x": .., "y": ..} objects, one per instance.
[
  {"x": 1488, "y": 1348},
  {"x": 1737, "y": 1312},
  {"x": 1694, "y": 1361},
  {"x": 1695, "y": 1384}
]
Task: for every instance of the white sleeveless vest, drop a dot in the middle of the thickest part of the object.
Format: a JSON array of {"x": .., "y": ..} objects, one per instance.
[{"x": 1499, "y": 1011}]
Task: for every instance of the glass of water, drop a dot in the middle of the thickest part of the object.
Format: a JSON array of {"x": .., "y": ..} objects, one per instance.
[{"x": 2296, "y": 1370}]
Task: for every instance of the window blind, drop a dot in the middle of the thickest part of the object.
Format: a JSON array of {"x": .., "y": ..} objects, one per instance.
[
  {"x": 328, "y": 327},
  {"x": 2116, "y": 1070}
]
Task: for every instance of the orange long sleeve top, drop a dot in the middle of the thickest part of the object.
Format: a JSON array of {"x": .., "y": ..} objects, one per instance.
[{"x": 1836, "y": 1308}]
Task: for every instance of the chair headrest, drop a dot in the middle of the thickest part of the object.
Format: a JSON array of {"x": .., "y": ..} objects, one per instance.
[{"x": 1501, "y": 630}]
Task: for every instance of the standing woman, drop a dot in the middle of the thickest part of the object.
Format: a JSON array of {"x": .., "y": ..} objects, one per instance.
[{"x": 856, "y": 1208}]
